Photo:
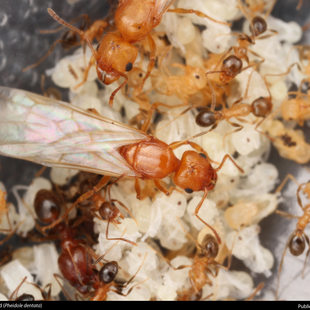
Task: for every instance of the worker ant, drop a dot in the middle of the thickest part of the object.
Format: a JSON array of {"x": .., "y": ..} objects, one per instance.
[{"x": 116, "y": 52}]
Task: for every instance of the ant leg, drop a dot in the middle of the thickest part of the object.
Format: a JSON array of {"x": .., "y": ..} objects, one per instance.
[
  {"x": 59, "y": 280},
  {"x": 280, "y": 268},
  {"x": 166, "y": 191},
  {"x": 262, "y": 59},
  {"x": 154, "y": 107},
  {"x": 286, "y": 214},
  {"x": 92, "y": 62},
  {"x": 285, "y": 180},
  {"x": 198, "y": 13},
  {"x": 126, "y": 208},
  {"x": 122, "y": 286},
  {"x": 306, "y": 258},
  {"x": 12, "y": 297},
  {"x": 119, "y": 238},
  {"x": 238, "y": 128},
  {"x": 283, "y": 73},
  {"x": 74, "y": 29},
  {"x": 151, "y": 61},
  {"x": 258, "y": 288},
  {"x": 118, "y": 88},
  {"x": 138, "y": 189},
  {"x": 204, "y": 222},
  {"x": 298, "y": 195},
  {"x": 227, "y": 156},
  {"x": 101, "y": 257},
  {"x": 50, "y": 50},
  {"x": 102, "y": 183}
]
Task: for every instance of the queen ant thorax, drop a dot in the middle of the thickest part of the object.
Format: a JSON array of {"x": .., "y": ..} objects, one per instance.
[
  {"x": 298, "y": 240},
  {"x": 116, "y": 53}
]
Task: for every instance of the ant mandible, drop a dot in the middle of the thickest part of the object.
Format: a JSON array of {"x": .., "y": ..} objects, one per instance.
[{"x": 116, "y": 53}]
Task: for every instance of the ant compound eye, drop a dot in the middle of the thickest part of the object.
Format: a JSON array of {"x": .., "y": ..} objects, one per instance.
[
  {"x": 258, "y": 26},
  {"x": 108, "y": 272},
  {"x": 188, "y": 190},
  {"x": 203, "y": 155},
  {"x": 297, "y": 245},
  {"x": 129, "y": 66},
  {"x": 197, "y": 76}
]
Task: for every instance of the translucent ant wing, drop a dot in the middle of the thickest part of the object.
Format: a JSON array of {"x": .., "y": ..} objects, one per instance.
[
  {"x": 161, "y": 6},
  {"x": 55, "y": 133}
]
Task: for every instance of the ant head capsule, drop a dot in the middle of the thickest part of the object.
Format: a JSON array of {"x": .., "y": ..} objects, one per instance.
[
  {"x": 114, "y": 54},
  {"x": 205, "y": 118},
  {"x": 232, "y": 65},
  {"x": 108, "y": 272},
  {"x": 297, "y": 244},
  {"x": 258, "y": 26},
  {"x": 261, "y": 106},
  {"x": 209, "y": 246},
  {"x": 47, "y": 206},
  {"x": 195, "y": 173}
]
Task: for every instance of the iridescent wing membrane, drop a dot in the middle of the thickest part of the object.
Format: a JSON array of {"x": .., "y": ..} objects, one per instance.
[{"x": 55, "y": 133}]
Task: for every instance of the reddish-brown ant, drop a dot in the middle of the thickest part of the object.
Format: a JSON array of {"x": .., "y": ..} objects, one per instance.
[
  {"x": 193, "y": 172},
  {"x": 116, "y": 53},
  {"x": 106, "y": 280},
  {"x": 232, "y": 65},
  {"x": 75, "y": 262},
  {"x": 260, "y": 107},
  {"x": 205, "y": 264},
  {"x": 298, "y": 240}
]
